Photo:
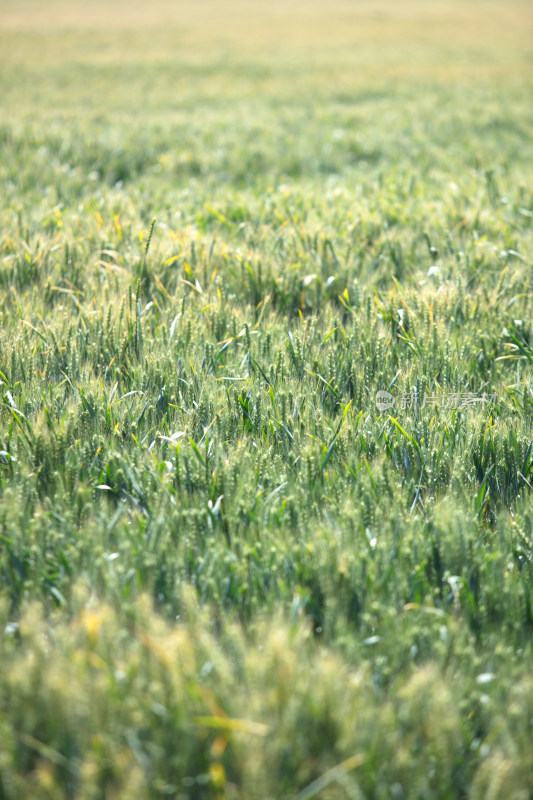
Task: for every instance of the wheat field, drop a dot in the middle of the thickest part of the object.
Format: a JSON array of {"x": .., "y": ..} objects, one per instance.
[{"x": 266, "y": 400}]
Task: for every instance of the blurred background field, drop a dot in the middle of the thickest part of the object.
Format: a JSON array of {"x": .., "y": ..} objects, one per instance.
[
  {"x": 414, "y": 80},
  {"x": 223, "y": 228}
]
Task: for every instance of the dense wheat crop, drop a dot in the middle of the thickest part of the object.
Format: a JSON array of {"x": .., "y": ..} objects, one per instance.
[{"x": 229, "y": 568}]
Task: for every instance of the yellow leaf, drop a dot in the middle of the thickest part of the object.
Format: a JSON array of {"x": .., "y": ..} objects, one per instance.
[{"x": 229, "y": 724}]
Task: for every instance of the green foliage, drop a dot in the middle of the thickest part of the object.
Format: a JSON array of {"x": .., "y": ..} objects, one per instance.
[{"x": 224, "y": 571}]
